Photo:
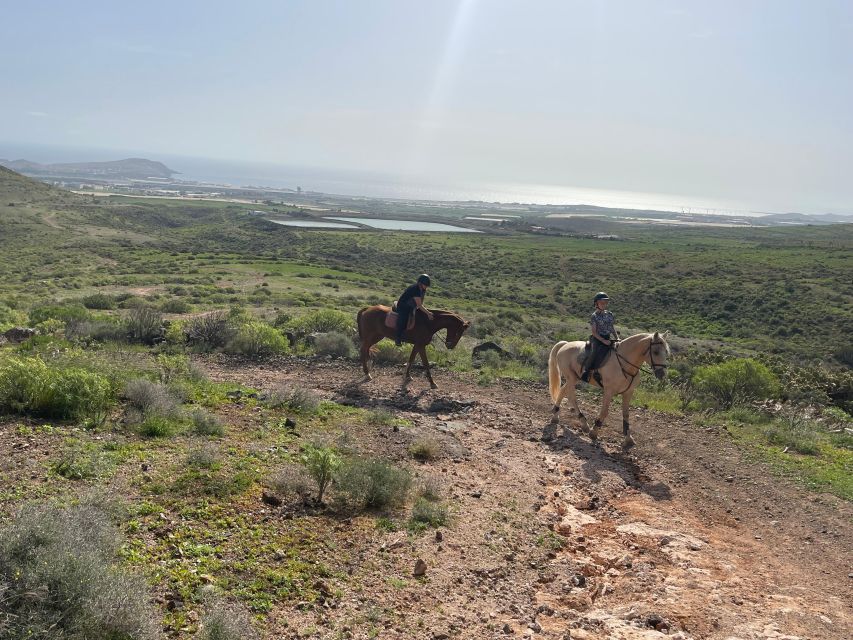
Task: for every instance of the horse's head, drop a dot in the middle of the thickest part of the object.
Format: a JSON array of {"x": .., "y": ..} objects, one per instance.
[
  {"x": 456, "y": 326},
  {"x": 657, "y": 355}
]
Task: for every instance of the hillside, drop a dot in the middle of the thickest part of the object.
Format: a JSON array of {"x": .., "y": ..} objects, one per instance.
[
  {"x": 132, "y": 168},
  {"x": 192, "y": 376}
]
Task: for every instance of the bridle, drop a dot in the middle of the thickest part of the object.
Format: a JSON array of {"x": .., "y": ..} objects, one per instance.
[{"x": 655, "y": 365}]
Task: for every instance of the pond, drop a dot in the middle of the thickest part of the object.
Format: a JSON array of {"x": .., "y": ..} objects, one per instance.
[
  {"x": 406, "y": 225},
  {"x": 315, "y": 224}
]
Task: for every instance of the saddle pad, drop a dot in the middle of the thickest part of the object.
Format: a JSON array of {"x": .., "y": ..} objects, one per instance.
[{"x": 391, "y": 321}]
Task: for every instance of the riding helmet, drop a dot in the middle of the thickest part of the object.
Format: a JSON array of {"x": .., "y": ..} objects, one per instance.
[
  {"x": 424, "y": 279},
  {"x": 600, "y": 296}
]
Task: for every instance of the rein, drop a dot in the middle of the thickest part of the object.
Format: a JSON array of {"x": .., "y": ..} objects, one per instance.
[{"x": 639, "y": 367}]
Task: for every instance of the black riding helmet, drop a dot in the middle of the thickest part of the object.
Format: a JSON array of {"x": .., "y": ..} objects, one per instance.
[
  {"x": 600, "y": 296},
  {"x": 424, "y": 279}
]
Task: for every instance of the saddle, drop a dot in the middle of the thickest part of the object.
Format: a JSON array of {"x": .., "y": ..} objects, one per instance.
[{"x": 391, "y": 319}]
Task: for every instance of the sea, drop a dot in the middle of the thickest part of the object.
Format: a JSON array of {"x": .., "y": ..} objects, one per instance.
[{"x": 377, "y": 185}]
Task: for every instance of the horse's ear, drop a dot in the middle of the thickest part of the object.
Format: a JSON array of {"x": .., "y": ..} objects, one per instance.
[
  {"x": 657, "y": 336},
  {"x": 467, "y": 324}
]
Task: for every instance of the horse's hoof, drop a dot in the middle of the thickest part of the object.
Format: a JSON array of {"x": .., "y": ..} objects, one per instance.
[
  {"x": 368, "y": 378},
  {"x": 628, "y": 443},
  {"x": 593, "y": 435},
  {"x": 555, "y": 419},
  {"x": 433, "y": 385}
]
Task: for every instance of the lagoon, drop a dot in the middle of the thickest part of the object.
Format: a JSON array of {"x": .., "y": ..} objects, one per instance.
[
  {"x": 314, "y": 224},
  {"x": 405, "y": 225}
]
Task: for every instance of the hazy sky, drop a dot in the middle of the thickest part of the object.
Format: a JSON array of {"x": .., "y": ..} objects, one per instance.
[{"x": 743, "y": 101}]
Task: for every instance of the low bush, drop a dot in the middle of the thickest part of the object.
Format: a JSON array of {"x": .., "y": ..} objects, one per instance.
[
  {"x": 60, "y": 578},
  {"x": 174, "y": 305},
  {"x": 49, "y": 327},
  {"x": 94, "y": 331},
  {"x": 100, "y": 301},
  {"x": 29, "y": 386},
  {"x": 204, "y": 457},
  {"x": 429, "y": 512},
  {"x": 424, "y": 449},
  {"x": 256, "y": 339},
  {"x": 205, "y": 423},
  {"x": 172, "y": 366},
  {"x": 736, "y": 381},
  {"x": 210, "y": 331},
  {"x": 77, "y": 462},
  {"x": 320, "y": 462},
  {"x": 144, "y": 325},
  {"x": 334, "y": 344},
  {"x": 292, "y": 480},
  {"x": 386, "y": 352},
  {"x": 157, "y": 427},
  {"x": 293, "y": 398},
  {"x": 151, "y": 399},
  {"x": 62, "y": 312},
  {"x": 370, "y": 483},
  {"x": 225, "y": 621},
  {"x": 323, "y": 321}
]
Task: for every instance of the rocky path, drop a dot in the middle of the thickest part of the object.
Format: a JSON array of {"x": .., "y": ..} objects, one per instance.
[{"x": 558, "y": 538}]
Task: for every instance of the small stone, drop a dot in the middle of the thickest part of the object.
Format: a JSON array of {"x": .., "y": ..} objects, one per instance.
[
  {"x": 270, "y": 499},
  {"x": 420, "y": 568},
  {"x": 290, "y": 423},
  {"x": 476, "y": 494},
  {"x": 507, "y": 629},
  {"x": 439, "y": 536}
]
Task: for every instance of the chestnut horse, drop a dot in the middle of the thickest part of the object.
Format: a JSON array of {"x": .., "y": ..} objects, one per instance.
[
  {"x": 371, "y": 329},
  {"x": 620, "y": 375}
]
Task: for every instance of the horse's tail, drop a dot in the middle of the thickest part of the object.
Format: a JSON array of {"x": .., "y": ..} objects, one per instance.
[
  {"x": 554, "y": 371},
  {"x": 358, "y": 322}
]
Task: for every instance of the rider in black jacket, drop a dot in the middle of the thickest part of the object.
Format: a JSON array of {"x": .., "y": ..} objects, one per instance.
[{"x": 411, "y": 300}]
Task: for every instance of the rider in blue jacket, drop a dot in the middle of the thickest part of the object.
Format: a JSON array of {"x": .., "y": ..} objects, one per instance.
[{"x": 411, "y": 300}]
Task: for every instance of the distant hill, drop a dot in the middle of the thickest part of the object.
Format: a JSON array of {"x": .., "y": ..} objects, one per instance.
[
  {"x": 15, "y": 188},
  {"x": 137, "y": 168}
]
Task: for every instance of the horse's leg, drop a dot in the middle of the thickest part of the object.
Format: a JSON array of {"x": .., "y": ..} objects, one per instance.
[
  {"x": 573, "y": 400},
  {"x": 424, "y": 359},
  {"x": 602, "y": 416},
  {"x": 628, "y": 442},
  {"x": 365, "y": 357},
  {"x": 408, "y": 377}
]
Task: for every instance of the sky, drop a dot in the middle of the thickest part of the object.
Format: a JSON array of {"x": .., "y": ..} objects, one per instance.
[{"x": 746, "y": 102}]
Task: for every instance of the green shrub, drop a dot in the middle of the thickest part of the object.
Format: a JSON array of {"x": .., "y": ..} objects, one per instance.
[
  {"x": 291, "y": 480},
  {"x": 99, "y": 301},
  {"x": 77, "y": 462},
  {"x": 49, "y": 327},
  {"x": 205, "y": 423},
  {"x": 94, "y": 331},
  {"x": 209, "y": 331},
  {"x": 10, "y": 317},
  {"x": 174, "y": 305},
  {"x": 60, "y": 578},
  {"x": 204, "y": 457},
  {"x": 151, "y": 399},
  {"x": 370, "y": 483},
  {"x": 424, "y": 449},
  {"x": 172, "y": 366},
  {"x": 386, "y": 352},
  {"x": 323, "y": 321},
  {"x": 294, "y": 398},
  {"x": 321, "y": 463},
  {"x": 429, "y": 512},
  {"x": 29, "y": 386},
  {"x": 256, "y": 339},
  {"x": 62, "y": 312},
  {"x": 736, "y": 381},
  {"x": 157, "y": 427},
  {"x": 144, "y": 326},
  {"x": 334, "y": 344},
  {"x": 224, "y": 621}
]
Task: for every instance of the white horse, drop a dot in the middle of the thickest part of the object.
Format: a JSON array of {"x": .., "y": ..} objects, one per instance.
[{"x": 619, "y": 375}]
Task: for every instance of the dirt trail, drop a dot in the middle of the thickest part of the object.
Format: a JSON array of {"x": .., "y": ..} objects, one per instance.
[{"x": 684, "y": 538}]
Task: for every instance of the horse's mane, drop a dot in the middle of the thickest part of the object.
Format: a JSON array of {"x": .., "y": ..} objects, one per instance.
[
  {"x": 444, "y": 312},
  {"x": 650, "y": 336}
]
